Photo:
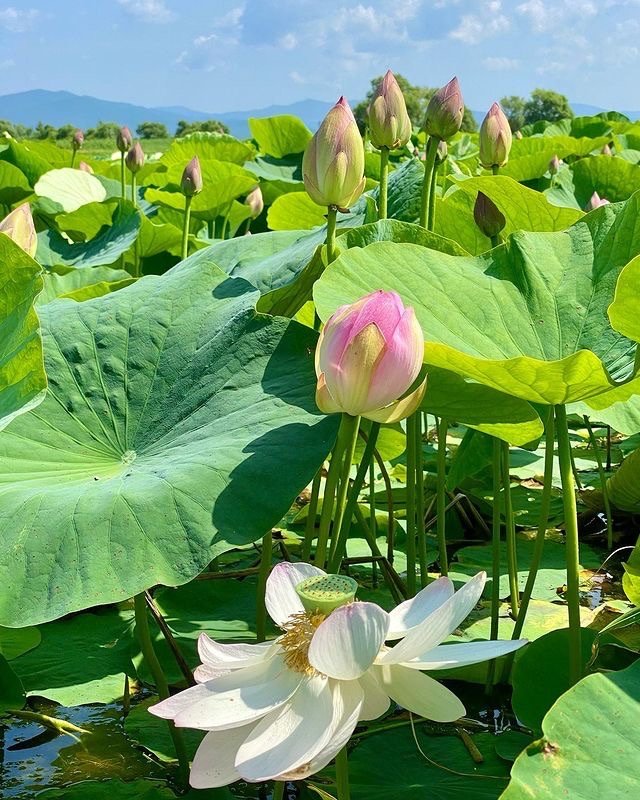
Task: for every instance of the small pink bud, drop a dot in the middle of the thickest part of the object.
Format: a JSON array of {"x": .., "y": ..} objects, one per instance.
[
  {"x": 495, "y": 138},
  {"x": 84, "y": 167},
  {"x": 124, "y": 139},
  {"x": 595, "y": 201},
  {"x": 606, "y": 150},
  {"x": 517, "y": 135},
  {"x": 135, "y": 158},
  {"x": 368, "y": 356},
  {"x": 191, "y": 183},
  {"x": 389, "y": 123},
  {"x": 255, "y": 202},
  {"x": 442, "y": 152},
  {"x": 78, "y": 140},
  {"x": 333, "y": 163},
  {"x": 18, "y": 225},
  {"x": 445, "y": 111},
  {"x": 488, "y": 216},
  {"x": 554, "y": 165}
]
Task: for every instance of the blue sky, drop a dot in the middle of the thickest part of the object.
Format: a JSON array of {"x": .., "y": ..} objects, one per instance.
[{"x": 224, "y": 55}]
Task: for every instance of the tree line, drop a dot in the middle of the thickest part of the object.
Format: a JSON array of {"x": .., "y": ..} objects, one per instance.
[{"x": 109, "y": 130}]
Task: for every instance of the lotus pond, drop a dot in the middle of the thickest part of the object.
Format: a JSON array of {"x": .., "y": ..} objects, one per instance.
[{"x": 320, "y": 462}]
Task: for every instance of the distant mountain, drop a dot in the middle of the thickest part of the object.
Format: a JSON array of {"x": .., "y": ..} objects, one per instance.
[
  {"x": 60, "y": 108},
  {"x": 586, "y": 110}
]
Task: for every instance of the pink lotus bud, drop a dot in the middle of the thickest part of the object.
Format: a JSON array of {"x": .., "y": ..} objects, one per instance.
[
  {"x": 135, "y": 158},
  {"x": 495, "y": 138},
  {"x": 389, "y": 123},
  {"x": 442, "y": 152},
  {"x": 191, "y": 183},
  {"x": 78, "y": 140},
  {"x": 333, "y": 163},
  {"x": 124, "y": 139},
  {"x": 84, "y": 167},
  {"x": 517, "y": 135},
  {"x": 488, "y": 216},
  {"x": 368, "y": 356},
  {"x": 18, "y": 225},
  {"x": 595, "y": 201},
  {"x": 554, "y": 165},
  {"x": 255, "y": 202},
  {"x": 606, "y": 150},
  {"x": 445, "y": 111}
]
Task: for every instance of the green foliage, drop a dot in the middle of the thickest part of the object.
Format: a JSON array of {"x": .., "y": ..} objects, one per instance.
[
  {"x": 152, "y": 130},
  {"x": 543, "y": 104},
  {"x": 184, "y": 128}
]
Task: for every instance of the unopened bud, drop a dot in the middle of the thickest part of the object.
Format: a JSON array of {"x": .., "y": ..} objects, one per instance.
[
  {"x": 78, "y": 140},
  {"x": 606, "y": 150},
  {"x": 488, "y": 216},
  {"x": 191, "y": 182},
  {"x": 445, "y": 111},
  {"x": 255, "y": 202},
  {"x": 517, "y": 135},
  {"x": 389, "y": 123},
  {"x": 441, "y": 153},
  {"x": 495, "y": 138},
  {"x": 124, "y": 139},
  {"x": 135, "y": 158},
  {"x": 18, "y": 225},
  {"x": 595, "y": 201},
  {"x": 84, "y": 167},
  {"x": 554, "y": 165}
]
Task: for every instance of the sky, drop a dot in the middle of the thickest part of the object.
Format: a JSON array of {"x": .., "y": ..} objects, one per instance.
[{"x": 228, "y": 55}]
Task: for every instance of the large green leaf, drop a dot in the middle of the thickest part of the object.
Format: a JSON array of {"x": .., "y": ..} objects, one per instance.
[
  {"x": 16, "y": 641},
  {"x": 613, "y": 178},
  {"x": 70, "y": 188},
  {"x": 81, "y": 284},
  {"x": 11, "y": 691},
  {"x": 295, "y": 211},
  {"x": 281, "y": 135},
  {"x": 207, "y": 146},
  {"x": 179, "y": 424},
  {"x": 110, "y": 790},
  {"x": 22, "y": 377},
  {"x": 24, "y": 156},
  {"x": 13, "y": 184},
  {"x": 528, "y": 318},
  {"x": 590, "y": 746},
  {"x": 529, "y": 157},
  {"x": 624, "y": 485},
  {"x": 623, "y": 311},
  {"x": 392, "y": 230}
]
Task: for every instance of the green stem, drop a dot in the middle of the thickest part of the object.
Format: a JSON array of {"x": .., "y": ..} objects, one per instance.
[
  {"x": 342, "y": 775},
  {"x": 263, "y": 574},
  {"x": 411, "y": 504},
  {"x": 441, "y": 496},
  {"x": 73, "y": 157},
  {"x": 162, "y": 687},
  {"x": 278, "y": 790},
  {"x": 345, "y": 434},
  {"x": 312, "y": 513},
  {"x": 393, "y": 580},
  {"x": 431, "y": 218},
  {"x": 574, "y": 469},
  {"x": 343, "y": 489},
  {"x": 123, "y": 179},
  {"x": 495, "y": 561},
  {"x": 495, "y": 241},
  {"x": 512, "y": 556},
  {"x": 421, "y": 532},
  {"x": 338, "y": 548},
  {"x": 332, "y": 218},
  {"x": 211, "y": 229},
  {"x": 53, "y": 723},
  {"x": 384, "y": 183},
  {"x": 495, "y": 169},
  {"x": 429, "y": 164},
  {"x": 185, "y": 226},
  {"x": 572, "y": 544},
  {"x": 603, "y": 484},
  {"x": 134, "y": 192}
]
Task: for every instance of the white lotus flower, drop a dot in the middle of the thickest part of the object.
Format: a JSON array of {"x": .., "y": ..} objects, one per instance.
[{"x": 283, "y": 710}]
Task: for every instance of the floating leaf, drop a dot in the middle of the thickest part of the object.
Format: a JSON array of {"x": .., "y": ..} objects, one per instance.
[
  {"x": 12, "y": 696},
  {"x": 281, "y": 135}
]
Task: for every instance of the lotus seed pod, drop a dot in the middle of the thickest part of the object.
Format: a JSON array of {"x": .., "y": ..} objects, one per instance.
[
  {"x": 18, "y": 225},
  {"x": 495, "y": 138},
  {"x": 445, "y": 111},
  {"x": 191, "y": 182},
  {"x": 442, "y": 152},
  {"x": 595, "y": 201},
  {"x": 84, "y": 167},
  {"x": 389, "y": 123},
  {"x": 488, "y": 216},
  {"x": 554, "y": 165},
  {"x": 78, "y": 140},
  {"x": 333, "y": 163},
  {"x": 135, "y": 158},
  {"x": 606, "y": 150},
  {"x": 255, "y": 202},
  {"x": 124, "y": 139}
]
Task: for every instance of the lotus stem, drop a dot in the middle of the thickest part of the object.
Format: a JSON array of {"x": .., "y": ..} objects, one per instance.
[
  {"x": 263, "y": 574},
  {"x": 393, "y": 580},
  {"x": 384, "y": 183},
  {"x": 411, "y": 504},
  {"x": 441, "y": 496},
  {"x": 312, "y": 513},
  {"x": 278, "y": 790},
  {"x": 603, "y": 483},
  {"x": 495, "y": 169},
  {"x": 421, "y": 532},
  {"x": 342, "y": 775},
  {"x": 495, "y": 561},
  {"x": 123, "y": 179},
  {"x": 572, "y": 544},
  {"x": 170, "y": 640},
  {"x": 512, "y": 556},
  {"x": 185, "y": 226},
  {"x": 53, "y": 723},
  {"x": 162, "y": 686},
  {"x": 429, "y": 166},
  {"x": 134, "y": 190},
  {"x": 332, "y": 218},
  {"x": 431, "y": 218},
  {"x": 343, "y": 488}
]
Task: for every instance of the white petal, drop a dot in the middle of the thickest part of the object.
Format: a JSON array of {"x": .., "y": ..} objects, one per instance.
[
  {"x": 172, "y": 706},
  {"x": 376, "y": 701},
  {"x": 232, "y": 656},
  {"x": 281, "y": 598},
  {"x": 347, "y": 704},
  {"x": 214, "y": 761},
  {"x": 346, "y": 644},
  {"x": 412, "y": 612},
  {"x": 242, "y": 696},
  {"x": 203, "y": 673},
  {"x": 290, "y": 736},
  {"x": 419, "y": 693},
  {"x": 438, "y": 625},
  {"x": 448, "y": 656}
]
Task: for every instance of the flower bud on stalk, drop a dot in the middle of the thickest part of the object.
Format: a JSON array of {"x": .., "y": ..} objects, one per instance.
[
  {"x": 333, "y": 163},
  {"x": 255, "y": 202},
  {"x": 135, "y": 158},
  {"x": 488, "y": 216},
  {"x": 368, "y": 356},
  {"x": 606, "y": 150},
  {"x": 517, "y": 135},
  {"x": 595, "y": 201},
  {"x": 445, "y": 112},
  {"x": 124, "y": 139},
  {"x": 18, "y": 225},
  {"x": 389, "y": 123},
  {"x": 77, "y": 141},
  {"x": 495, "y": 138},
  {"x": 554, "y": 165},
  {"x": 191, "y": 182},
  {"x": 84, "y": 167},
  {"x": 441, "y": 153}
]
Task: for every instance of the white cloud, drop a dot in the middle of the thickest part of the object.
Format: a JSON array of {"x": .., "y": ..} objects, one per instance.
[
  {"x": 475, "y": 27},
  {"x": 550, "y": 16},
  {"x": 288, "y": 42},
  {"x": 499, "y": 63},
  {"x": 148, "y": 10},
  {"x": 16, "y": 20}
]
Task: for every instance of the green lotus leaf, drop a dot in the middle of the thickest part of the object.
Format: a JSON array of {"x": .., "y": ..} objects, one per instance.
[
  {"x": 111, "y": 790},
  {"x": 281, "y": 135},
  {"x": 81, "y": 284},
  {"x": 22, "y": 377},
  {"x": 530, "y": 156},
  {"x": 12, "y": 694},
  {"x": 624, "y": 485},
  {"x": 207, "y": 146},
  {"x": 25, "y": 156},
  {"x": 179, "y": 424},
  {"x": 528, "y": 318},
  {"x": 13, "y": 184},
  {"x": 70, "y": 188},
  {"x": 393, "y": 230},
  {"x": 623, "y": 311},
  {"x": 295, "y": 211}
]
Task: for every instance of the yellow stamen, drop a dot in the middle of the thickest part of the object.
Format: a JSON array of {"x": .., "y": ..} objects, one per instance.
[{"x": 295, "y": 642}]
